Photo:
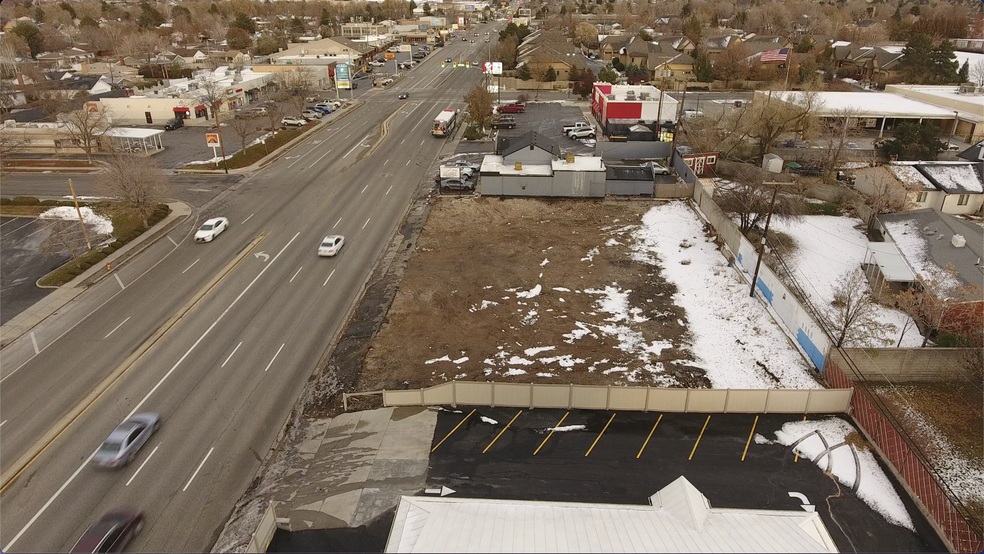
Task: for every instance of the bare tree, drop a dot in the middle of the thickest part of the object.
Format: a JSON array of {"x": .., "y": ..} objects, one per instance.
[
  {"x": 62, "y": 236},
  {"x": 244, "y": 127},
  {"x": 298, "y": 84},
  {"x": 275, "y": 110},
  {"x": 539, "y": 67},
  {"x": 944, "y": 304},
  {"x": 136, "y": 183},
  {"x": 733, "y": 64},
  {"x": 880, "y": 193},
  {"x": 779, "y": 115},
  {"x": 977, "y": 72},
  {"x": 747, "y": 198},
  {"x": 86, "y": 126},
  {"x": 852, "y": 317},
  {"x": 835, "y": 131},
  {"x": 479, "y": 102},
  {"x": 215, "y": 95}
]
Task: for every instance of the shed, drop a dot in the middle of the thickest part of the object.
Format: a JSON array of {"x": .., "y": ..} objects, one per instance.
[{"x": 129, "y": 139}]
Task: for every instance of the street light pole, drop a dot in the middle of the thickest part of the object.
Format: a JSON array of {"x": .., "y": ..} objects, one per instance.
[{"x": 772, "y": 204}]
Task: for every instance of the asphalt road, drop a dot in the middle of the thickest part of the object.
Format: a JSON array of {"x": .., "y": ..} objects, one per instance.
[
  {"x": 195, "y": 190},
  {"x": 223, "y": 336},
  {"x": 23, "y": 264}
]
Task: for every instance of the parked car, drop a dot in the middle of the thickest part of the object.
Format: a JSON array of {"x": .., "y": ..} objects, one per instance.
[
  {"x": 658, "y": 169},
  {"x": 121, "y": 446},
  {"x": 377, "y": 63},
  {"x": 576, "y": 127},
  {"x": 853, "y": 146},
  {"x": 584, "y": 132},
  {"x": 175, "y": 123},
  {"x": 457, "y": 184},
  {"x": 512, "y": 108},
  {"x": 330, "y": 106},
  {"x": 404, "y": 95},
  {"x": 504, "y": 122},
  {"x": 464, "y": 164},
  {"x": 211, "y": 229},
  {"x": 691, "y": 114},
  {"x": 312, "y": 114},
  {"x": 331, "y": 245},
  {"x": 111, "y": 533},
  {"x": 293, "y": 121},
  {"x": 323, "y": 110}
]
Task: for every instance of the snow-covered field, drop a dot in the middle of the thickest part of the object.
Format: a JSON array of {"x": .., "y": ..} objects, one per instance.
[{"x": 93, "y": 222}]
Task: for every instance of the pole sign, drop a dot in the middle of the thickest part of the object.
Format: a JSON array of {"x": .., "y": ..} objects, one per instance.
[
  {"x": 497, "y": 68},
  {"x": 405, "y": 48},
  {"x": 212, "y": 140},
  {"x": 342, "y": 79}
]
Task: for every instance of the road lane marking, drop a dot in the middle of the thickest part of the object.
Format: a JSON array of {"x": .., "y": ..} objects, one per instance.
[
  {"x": 389, "y": 189},
  {"x": 422, "y": 142},
  {"x": 58, "y": 492},
  {"x": 191, "y": 266},
  {"x": 274, "y": 357},
  {"x": 453, "y": 430},
  {"x": 503, "y": 431},
  {"x": 231, "y": 353},
  {"x": 329, "y": 278},
  {"x": 347, "y": 136},
  {"x": 706, "y": 421},
  {"x": 295, "y": 274},
  {"x": 118, "y": 280},
  {"x": 210, "y": 327},
  {"x": 172, "y": 241},
  {"x": 195, "y": 474},
  {"x": 364, "y": 188},
  {"x": 247, "y": 219},
  {"x": 386, "y": 162},
  {"x": 402, "y": 141},
  {"x": 408, "y": 163},
  {"x": 552, "y": 429},
  {"x": 660, "y": 418},
  {"x": 358, "y": 144},
  {"x": 336, "y": 223},
  {"x": 19, "y": 228},
  {"x": 2, "y": 422},
  {"x": 322, "y": 157},
  {"x": 117, "y": 327},
  {"x": 749, "y": 441},
  {"x": 366, "y": 223},
  {"x": 34, "y": 341},
  {"x": 134, "y": 476},
  {"x": 599, "y": 436}
]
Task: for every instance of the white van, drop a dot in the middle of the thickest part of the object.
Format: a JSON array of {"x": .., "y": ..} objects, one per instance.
[{"x": 386, "y": 82}]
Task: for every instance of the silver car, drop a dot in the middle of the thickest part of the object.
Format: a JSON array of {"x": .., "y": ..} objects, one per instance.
[{"x": 123, "y": 443}]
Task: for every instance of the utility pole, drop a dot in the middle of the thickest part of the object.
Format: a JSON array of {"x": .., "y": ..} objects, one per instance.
[
  {"x": 216, "y": 106},
  {"x": 78, "y": 210},
  {"x": 768, "y": 218}
]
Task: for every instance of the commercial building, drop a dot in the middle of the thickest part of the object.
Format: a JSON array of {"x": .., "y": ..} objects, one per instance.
[{"x": 631, "y": 102}]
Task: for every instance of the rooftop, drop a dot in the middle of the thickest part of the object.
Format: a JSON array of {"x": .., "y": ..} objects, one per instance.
[{"x": 870, "y": 104}]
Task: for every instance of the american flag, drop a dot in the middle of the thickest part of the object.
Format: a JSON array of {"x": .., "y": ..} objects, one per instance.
[{"x": 775, "y": 55}]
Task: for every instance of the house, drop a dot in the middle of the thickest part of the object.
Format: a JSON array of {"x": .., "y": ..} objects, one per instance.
[
  {"x": 551, "y": 48},
  {"x": 611, "y": 46},
  {"x": 973, "y": 154},
  {"x": 768, "y": 42},
  {"x": 867, "y": 63},
  {"x": 327, "y": 51},
  {"x": 533, "y": 165},
  {"x": 678, "y": 518},
  {"x": 950, "y": 187},
  {"x": 193, "y": 57},
  {"x": 666, "y": 62},
  {"x": 228, "y": 57},
  {"x": 716, "y": 45},
  {"x": 65, "y": 58}
]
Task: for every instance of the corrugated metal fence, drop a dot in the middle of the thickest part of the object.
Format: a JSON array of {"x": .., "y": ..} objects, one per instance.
[
  {"x": 941, "y": 504},
  {"x": 600, "y": 397}
]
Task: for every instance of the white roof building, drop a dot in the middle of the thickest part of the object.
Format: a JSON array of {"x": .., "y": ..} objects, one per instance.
[{"x": 680, "y": 519}]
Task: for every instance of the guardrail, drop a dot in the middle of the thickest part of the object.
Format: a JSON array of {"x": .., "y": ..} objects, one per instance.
[{"x": 601, "y": 397}]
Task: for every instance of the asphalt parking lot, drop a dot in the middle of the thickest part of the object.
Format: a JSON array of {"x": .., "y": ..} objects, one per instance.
[
  {"x": 23, "y": 265},
  {"x": 623, "y": 458},
  {"x": 547, "y": 119}
]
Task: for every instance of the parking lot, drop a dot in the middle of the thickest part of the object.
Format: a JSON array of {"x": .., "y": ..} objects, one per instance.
[
  {"x": 547, "y": 119},
  {"x": 608, "y": 457},
  {"x": 23, "y": 264}
]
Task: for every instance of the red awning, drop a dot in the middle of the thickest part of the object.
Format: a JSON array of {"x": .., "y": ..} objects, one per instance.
[
  {"x": 199, "y": 107},
  {"x": 181, "y": 110}
]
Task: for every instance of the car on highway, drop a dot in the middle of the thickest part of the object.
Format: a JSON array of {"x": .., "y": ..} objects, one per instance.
[
  {"x": 404, "y": 95},
  {"x": 331, "y": 245},
  {"x": 293, "y": 121},
  {"x": 211, "y": 229},
  {"x": 448, "y": 60},
  {"x": 111, "y": 533},
  {"x": 175, "y": 123},
  {"x": 122, "y": 445}
]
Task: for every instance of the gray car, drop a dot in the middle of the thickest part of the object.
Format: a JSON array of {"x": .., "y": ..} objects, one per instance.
[{"x": 123, "y": 443}]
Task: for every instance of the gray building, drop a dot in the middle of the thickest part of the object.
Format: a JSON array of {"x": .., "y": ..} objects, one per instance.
[{"x": 532, "y": 165}]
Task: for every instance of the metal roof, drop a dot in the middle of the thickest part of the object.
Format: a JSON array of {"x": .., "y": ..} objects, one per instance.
[
  {"x": 889, "y": 261},
  {"x": 680, "y": 519}
]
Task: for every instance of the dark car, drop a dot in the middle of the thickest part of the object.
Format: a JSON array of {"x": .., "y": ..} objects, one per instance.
[
  {"x": 111, "y": 533},
  {"x": 404, "y": 95},
  {"x": 173, "y": 124},
  {"x": 504, "y": 122}
]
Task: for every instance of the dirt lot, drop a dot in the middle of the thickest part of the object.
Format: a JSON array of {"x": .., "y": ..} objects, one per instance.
[{"x": 468, "y": 306}]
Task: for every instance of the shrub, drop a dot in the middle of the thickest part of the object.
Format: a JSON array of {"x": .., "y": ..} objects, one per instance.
[
  {"x": 26, "y": 201},
  {"x": 51, "y": 202},
  {"x": 116, "y": 244},
  {"x": 75, "y": 271},
  {"x": 108, "y": 250},
  {"x": 85, "y": 265},
  {"x": 5, "y": 201},
  {"x": 473, "y": 132}
]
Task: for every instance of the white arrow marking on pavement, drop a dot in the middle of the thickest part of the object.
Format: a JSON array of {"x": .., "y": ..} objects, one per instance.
[
  {"x": 264, "y": 255},
  {"x": 804, "y": 501},
  {"x": 443, "y": 491}
]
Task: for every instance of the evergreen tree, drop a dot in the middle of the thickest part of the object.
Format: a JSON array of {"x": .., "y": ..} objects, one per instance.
[
  {"x": 916, "y": 63},
  {"x": 551, "y": 75},
  {"x": 702, "y": 66},
  {"x": 149, "y": 17},
  {"x": 524, "y": 72},
  {"x": 325, "y": 17},
  {"x": 944, "y": 63},
  {"x": 913, "y": 141},
  {"x": 608, "y": 74},
  {"x": 964, "y": 75},
  {"x": 617, "y": 64},
  {"x": 244, "y": 22},
  {"x": 38, "y": 15}
]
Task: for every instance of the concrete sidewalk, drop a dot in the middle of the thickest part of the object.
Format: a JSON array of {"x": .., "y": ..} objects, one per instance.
[{"x": 60, "y": 296}]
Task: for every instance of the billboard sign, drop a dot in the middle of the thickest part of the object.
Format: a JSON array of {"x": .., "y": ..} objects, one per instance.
[
  {"x": 404, "y": 48},
  {"x": 342, "y": 78},
  {"x": 212, "y": 140},
  {"x": 461, "y": 21},
  {"x": 497, "y": 68},
  {"x": 390, "y": 56}
]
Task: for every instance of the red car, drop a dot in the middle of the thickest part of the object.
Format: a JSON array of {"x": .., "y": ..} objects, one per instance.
[
  {"x": 512, "y": 108},
  {"x": 111, "y": 533}
]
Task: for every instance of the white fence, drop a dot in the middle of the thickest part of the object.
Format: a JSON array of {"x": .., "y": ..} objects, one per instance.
[
  {"x": 600, "y": 397},
  {"x": 265, "y": 529}
]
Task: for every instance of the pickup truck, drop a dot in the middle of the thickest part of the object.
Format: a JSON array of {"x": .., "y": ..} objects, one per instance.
[
  {"x": 568, "y": 129},
  {"x": 505, "y": 122},
  {"x": 512, "y": 108}
]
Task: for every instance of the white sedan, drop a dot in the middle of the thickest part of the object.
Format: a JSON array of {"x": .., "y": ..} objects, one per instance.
[
  {"x": 331, "y": 245},
  {"x": 211, "y": 229}
]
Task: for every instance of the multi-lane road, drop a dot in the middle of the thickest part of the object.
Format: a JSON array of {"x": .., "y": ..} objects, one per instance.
[{"x": 218, "y": 338}]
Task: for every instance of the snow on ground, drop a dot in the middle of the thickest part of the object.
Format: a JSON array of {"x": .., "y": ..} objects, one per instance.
[
  {"x": 875, "y": 489},
  {"x": 734, "y": 339},
  {"x": 97, "y": 223},
  {"x": 827, "y": 247}
]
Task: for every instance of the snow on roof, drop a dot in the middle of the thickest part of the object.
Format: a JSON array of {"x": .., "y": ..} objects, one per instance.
[
  {"x": 908, "y": 174},
  {"x": 422, "y": 524},
  {"x": 870, "y": 104},
  {"x": 955, "y": 178},
  {"x": 493, "y": 164},
  {"x": 890, "y": 262},
  {"x": 907, "y": 233},
  {"x": 581, "y": 163},
  {"x": 131, "y": 132}
]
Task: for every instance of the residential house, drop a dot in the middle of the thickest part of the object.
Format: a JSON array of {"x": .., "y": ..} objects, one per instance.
[
  {"x": 716, "y": 45},
  {"x": 679, "y": 43},
  {"x": 950, "y": 187},
  {"x": 613, "y": 46},
  {"x": 867, "y": 63},
  {"x": 229, "y": 57},
  {"x": 552, "y": 48},
  {"x": 193, "y": 56},
  {"x": 664, "y": 62},
  {"x": 771, "y": 42},
  {"x": 968, "y": 44},
  {"x": 973, "y": 154},
  {"x": 64, "y": 59}
]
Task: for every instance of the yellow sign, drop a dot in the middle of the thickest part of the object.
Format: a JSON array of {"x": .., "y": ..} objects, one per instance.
[{"x": 212, "y": 140}]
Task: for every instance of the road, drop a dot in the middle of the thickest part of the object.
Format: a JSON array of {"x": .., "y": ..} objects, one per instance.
[
  {"x": 195, "y": 190},
  {"x": 218, "y": 338}
]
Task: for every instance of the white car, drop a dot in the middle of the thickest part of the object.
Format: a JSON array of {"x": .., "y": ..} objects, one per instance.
[
  {"x": 659, "y": 170},
  {"x": 211, "y": 229},
  {"x": 311, "y": 114},
  {"x": 377, "y": 64},
  {"x": 291, "y": 121},
  {"x": 331, "y": 245}
]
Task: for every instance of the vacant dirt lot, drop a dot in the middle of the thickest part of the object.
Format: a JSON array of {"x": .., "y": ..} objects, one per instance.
[{"x": 517, "y": 290}]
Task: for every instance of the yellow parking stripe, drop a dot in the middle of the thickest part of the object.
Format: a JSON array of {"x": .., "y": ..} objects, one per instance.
[
  {"x": 501, "y": 432},
  {"x": 708, "y": 420},
  {"x": 599, "y": 436},
  {"x": 453, "y": 430},
  {"x": 650, "y": 436},
  {"x": 796, "y": 458},
  {"x": 551, "y": 433},
  {"x": 750, "y": 433}
]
